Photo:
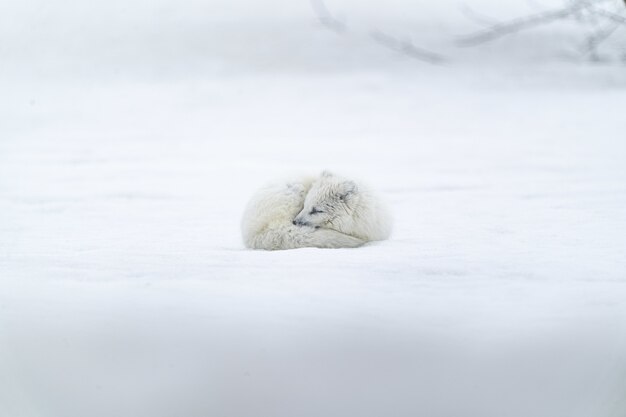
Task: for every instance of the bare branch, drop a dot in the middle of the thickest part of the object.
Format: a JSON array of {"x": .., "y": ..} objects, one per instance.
[
  {"x": 593, "y": 41},
  {"x": 506, "y": 28},
  {"x": 406, "y": 47},
  {"x": 586, "y": 12},
  {"x": 609, "y": 15},
  {"x": 326, "y": 18}
]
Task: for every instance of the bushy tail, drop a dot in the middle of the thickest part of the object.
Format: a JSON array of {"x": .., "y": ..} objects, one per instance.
[{"x": 293, "y": 237}]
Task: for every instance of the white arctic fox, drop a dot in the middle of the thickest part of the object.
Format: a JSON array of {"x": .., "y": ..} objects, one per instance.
[{"x": 323, "y": 212}]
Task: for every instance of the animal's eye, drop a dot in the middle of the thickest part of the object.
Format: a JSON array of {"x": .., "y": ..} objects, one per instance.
[{"x": 315, "y": 211}]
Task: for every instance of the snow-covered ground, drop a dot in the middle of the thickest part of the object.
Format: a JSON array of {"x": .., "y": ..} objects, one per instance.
[{"x": 132, "y": 135}]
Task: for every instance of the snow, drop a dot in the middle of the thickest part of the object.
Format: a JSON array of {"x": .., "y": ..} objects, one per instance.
[{"x": 125, "y": 289}]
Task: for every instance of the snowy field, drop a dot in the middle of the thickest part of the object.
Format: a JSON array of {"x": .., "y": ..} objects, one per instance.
[{"x": 133, "y": 133}]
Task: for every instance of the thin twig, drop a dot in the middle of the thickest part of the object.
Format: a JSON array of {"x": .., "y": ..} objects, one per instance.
[
  {"x": 594, "y": 40},
  {"x": 406, "y": 47},
  {"x": 609, "y": 15},
  {"x": 506, "y": 28},
  {"x": 326, "y": 18}
]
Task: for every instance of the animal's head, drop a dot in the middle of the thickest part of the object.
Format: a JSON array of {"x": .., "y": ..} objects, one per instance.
[{"x": 329, "y": 203}]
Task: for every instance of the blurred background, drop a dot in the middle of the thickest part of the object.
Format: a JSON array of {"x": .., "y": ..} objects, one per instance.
[{"x": 132, "y": 134}]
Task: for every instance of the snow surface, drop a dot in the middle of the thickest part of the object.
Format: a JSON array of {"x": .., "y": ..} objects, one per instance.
[{"x": 129, "y": 147}]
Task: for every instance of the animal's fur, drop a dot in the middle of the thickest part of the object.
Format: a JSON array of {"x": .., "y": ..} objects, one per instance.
[{"x": 323, "y": 212}]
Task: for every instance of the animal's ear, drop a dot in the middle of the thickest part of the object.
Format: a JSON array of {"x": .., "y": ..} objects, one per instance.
[
  {"x": 326, "y": 173},
  {"x": 348, "y": 188}
]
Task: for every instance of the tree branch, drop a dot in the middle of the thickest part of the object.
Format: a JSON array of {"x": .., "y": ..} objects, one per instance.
[
  {"x": 326, "y": 18},
  {"x": 609, "y": 15},
  {"x": 407, "y": 48},
  {"x": 506, "y": 28}
]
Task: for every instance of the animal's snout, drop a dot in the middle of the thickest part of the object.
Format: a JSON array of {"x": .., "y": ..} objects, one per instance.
[
  {"x": 294, "y": 223},
  {"x": 299, "y": 222}
]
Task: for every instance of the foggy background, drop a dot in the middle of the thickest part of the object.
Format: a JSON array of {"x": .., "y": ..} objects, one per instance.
[{"x": 132, "y": 134}]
